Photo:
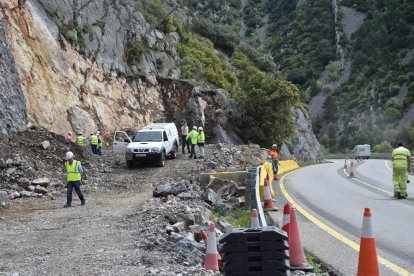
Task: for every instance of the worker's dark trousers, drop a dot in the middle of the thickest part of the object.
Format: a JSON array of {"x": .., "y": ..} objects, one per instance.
[
  {"x": 193, "y": 153},
  {"x": 185, "y": 143},
  {"x": 70, "y": 186},
  {"x": 94, "y": 149}
]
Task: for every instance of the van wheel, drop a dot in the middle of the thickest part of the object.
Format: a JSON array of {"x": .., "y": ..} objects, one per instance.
[
  {"x": 161, "y": 162},
  {"x": 174, "y": 152},
  {"x": 130, "y": 164}
]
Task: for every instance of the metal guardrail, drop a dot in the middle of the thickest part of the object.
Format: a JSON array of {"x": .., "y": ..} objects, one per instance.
[
  {"x": 375, "y": 155},
  {"x": 258, "y": 201}
]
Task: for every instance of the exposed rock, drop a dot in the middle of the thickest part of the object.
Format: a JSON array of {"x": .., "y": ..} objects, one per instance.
[
  {"x": 12, "y": 102},
  {"x": 45, "y": 144},
  {"x": 304, "y": 146},
  {"x": 210, "y": 196},
  {"x": 223, "y": 188},
  {"x": 26, "y": 194},
  {"x": 40, "y": 189},
  {"x": 2, "y": 164},
  {"x": 223, "y": 225},
  {"x": 225, "y": 206},
  {"x": 170, "y": 189},
  {"x": 44, "y": 182}
]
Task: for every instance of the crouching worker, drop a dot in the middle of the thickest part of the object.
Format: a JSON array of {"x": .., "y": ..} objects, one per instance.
[{"x": 74, "y": 170}]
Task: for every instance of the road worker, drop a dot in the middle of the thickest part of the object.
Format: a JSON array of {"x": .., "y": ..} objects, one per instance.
[
  {"x": 201, "y": 138},
  {"x": 184, "y": 133},
  {"x": 93, "y": 140},
  {"x": 401, "y": 164},
  {"x": 80, "y": 141},
  {"x": 100, "y": 142},
  {"x": 275, "y": 161},
  {"x": 68, "y": 138},
  {"x": 192, "y": 137},
  {"x": 74, "y": 171}
]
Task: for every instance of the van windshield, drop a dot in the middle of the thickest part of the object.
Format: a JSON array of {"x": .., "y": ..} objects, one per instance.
[{"x": 150, "y": 136}]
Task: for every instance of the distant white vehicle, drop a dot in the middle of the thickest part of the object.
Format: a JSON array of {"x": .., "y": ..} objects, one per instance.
[
  {"x": 150, "y": 144},
  {"x": 362, "y": 152}
]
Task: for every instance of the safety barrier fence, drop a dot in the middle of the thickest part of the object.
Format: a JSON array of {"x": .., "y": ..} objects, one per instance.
[
  {"x": 375, "y": 155},
  {"x": 255, "y": 185}
]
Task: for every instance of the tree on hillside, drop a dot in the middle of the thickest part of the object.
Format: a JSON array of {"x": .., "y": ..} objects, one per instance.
[{"x": 267, "y": 112}]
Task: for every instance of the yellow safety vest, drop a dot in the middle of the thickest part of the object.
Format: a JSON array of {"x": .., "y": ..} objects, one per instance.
[
  {"x": 72, "y": 170},
  {"x": 79, "y": 140},
  {"x": 94, "y": 140},
  {"x": 193, "y": 136},
  {"x": 201, "y": 138},
  {"x": 399, "y": 157}
]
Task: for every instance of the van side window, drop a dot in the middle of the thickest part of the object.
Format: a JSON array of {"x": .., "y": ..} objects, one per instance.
[{"x": 165, "y": 136}]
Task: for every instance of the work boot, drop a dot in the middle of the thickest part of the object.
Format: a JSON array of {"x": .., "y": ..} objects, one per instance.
[
  {"x": 66, "y": 206},
  {"x": 396, "y": 194},
  {"x": 82, "y": 203}
]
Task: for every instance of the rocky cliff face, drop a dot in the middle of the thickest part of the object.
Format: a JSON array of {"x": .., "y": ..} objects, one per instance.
[
  {"x": 102, "y": 66},
  {"x": 12, "y": 102}
]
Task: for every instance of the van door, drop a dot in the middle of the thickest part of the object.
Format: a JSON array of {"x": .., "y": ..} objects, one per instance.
[
  {"x": 167, "y": 142},
  {"x": 121, "y": 141}
]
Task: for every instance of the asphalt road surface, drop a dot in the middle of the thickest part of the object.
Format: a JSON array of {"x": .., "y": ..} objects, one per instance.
[{"x": 330, "y": 208}]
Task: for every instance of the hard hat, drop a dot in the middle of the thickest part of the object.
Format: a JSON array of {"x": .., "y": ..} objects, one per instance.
[
  {"x": 98, "y": 132},
  {"x": 80, "y": 133},
  {"x": 194, "y": 127},
  {"x": 91, "y": 132},
  {"x": 69, "y": 132},
  {"x": 274, "y": 145},
  {"x": 69, "y": 155},
  {"x": 200, "y": 128}
]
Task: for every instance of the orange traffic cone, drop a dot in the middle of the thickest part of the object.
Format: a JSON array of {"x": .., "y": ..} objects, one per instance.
[
  {"x": 286, "y": 218},
  {"x": 267, "y": 197},
  {"x": 297, "y": 255},
  {"x": 351, "y": 173},
  {"x": 255, "y": 220},
  {"x": 368, "y": 261},
  {"x": 345, "y": 166},
  {"x": 211, "y": 258}
]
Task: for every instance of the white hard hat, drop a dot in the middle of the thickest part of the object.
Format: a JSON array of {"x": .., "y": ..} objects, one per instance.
[
  {"x": 69, "y": 132},
  {"x": 194, "y": 127},
  {"x": 274, "y": 146},
  {"x": 200, "y": 128},
  {"x": 98, "y": 132},
  {"x": 69, "y": 155}
]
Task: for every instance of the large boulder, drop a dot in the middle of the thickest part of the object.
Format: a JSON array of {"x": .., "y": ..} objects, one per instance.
[{"x": 170, "y": 189}]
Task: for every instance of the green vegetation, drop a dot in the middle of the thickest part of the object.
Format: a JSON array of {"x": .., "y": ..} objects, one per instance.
[
  {"x": 240, "y": 218},
  {"x": 301, "y": 39},
  {"x": 317, "y": 267},
  {"x": 380, "y": 69},
  {"x": 201, "y": 61},
  {"x": 133, "y": 53}
]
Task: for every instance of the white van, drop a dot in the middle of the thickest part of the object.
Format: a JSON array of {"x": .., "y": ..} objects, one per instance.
[
  {"x": 362, "y": 152},
  {"x": 151, "y": 144}
]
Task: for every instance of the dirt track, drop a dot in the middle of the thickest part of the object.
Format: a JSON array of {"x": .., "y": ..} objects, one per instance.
[{"x": 39, "y": 237}]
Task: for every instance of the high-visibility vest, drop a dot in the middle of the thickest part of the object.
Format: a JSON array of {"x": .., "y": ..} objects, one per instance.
[
  {"x": 94, "y": 140},
  {"x": 201, "y": 138},
  {"x": 72, "y": 170},
  {"x": 193, "y": 136},
  {"x": 100, "y": 141},
  {"x": 79, "y": 140},
  {"x": 399, "y": 157}
]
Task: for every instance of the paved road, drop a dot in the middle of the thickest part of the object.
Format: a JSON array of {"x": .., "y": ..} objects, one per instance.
[{"x": 338, "y": 202}]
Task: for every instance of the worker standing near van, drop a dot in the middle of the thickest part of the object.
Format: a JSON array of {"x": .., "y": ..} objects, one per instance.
[
  {"x": 201, "y": 138},
  {"x": 401, "y": 164},
  {"x": 192, "y": 137},
  {"x": 184, "y": 141}
]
